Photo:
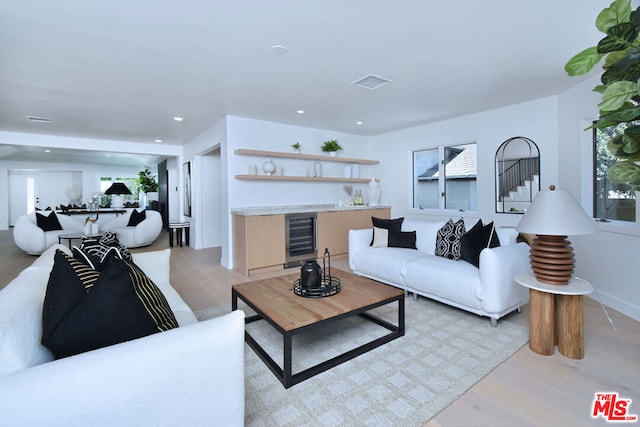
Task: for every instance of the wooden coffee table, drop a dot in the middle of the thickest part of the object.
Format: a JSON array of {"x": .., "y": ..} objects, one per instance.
[{"x": 273, "y": 300}]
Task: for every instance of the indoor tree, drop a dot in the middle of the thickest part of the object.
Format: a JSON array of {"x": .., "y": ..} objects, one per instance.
[{"x": 620, "y": 88}]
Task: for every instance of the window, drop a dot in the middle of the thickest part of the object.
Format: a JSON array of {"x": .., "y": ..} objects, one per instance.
[
  {"x": 445, "y": 178},
  {"x": 610, "y": 201}
]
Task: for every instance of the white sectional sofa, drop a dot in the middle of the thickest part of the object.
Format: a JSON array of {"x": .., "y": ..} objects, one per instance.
[
  {"x": 489, "y": 290},
  {"x": 191, "y": 375}
]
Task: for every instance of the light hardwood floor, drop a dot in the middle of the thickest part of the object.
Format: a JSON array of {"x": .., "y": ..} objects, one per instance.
[{"x": 525, "y": 390}]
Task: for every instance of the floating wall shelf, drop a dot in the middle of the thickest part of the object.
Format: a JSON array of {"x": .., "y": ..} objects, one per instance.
[
  {"x": 300, "y": 156},
  {"x": 300, "y": 178}
]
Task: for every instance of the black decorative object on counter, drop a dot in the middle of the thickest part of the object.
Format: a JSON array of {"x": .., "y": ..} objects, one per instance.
[{"x": 317, "y": 282}]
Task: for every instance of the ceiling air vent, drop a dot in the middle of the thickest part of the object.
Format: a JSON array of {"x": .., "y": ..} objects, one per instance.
[
  {"x": 39, "y": 119},
  {"x": 371, "y": 81}
]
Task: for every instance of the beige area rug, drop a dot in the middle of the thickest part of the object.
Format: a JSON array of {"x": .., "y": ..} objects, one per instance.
[{"x": 406, "y": 382}]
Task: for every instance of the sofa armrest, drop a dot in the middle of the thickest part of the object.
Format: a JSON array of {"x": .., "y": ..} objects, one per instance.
[
  {"x": 192, "y": 375},
  {"x": 150, "y": 228},
  {"x": 28, "y": 236},
  {"x": 117, "y": 222},
  {"x": 498, "y": 267},
  {"x": 358, "y": 240}
]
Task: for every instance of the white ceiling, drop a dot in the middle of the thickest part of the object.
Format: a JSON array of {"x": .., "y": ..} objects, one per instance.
[{"x": 122, "y": 70}]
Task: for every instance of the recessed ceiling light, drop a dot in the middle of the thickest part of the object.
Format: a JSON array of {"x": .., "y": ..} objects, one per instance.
[
  {"x": 359, "y": 123},
  {"x": 158, "y": 140},
  {"x": 47, "y": 151},
  {"x": 178, "y": 119},
  {"x": 300, "y": 111},
  {"x": 45, "y": 120},
  {"x": 279, "y": 50}
]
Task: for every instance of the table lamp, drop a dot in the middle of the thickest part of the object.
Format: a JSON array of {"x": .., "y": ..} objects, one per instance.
[
  {"x": 116, "y": 191},
  {"x": 552, "y": 216}
]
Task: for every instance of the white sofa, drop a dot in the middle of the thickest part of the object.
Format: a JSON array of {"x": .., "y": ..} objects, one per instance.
[
  {"x": 143, "y": 234},
  {"x": 191, "y": 375},
  {"x": 489, "y": 290},
  {"x": 33, "y": 240}
]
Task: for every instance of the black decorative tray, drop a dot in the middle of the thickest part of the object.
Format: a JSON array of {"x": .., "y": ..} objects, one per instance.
[{"x": 329, "y": 286}]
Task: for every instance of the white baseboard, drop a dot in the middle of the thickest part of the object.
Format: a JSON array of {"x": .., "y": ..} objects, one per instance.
[{"x": 622, "y": 306}]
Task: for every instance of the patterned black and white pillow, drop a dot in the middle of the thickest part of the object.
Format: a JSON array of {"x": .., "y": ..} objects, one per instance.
[
  {"x": 99, "y": 247},
  {"x": 448, "y": 239}
]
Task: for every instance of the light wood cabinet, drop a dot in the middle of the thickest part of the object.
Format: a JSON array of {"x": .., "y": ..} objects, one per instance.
[
  {"x": 334, "y": 226},
  {"x": 259, "y": 240},
  {"x": 259, "y": 243}
]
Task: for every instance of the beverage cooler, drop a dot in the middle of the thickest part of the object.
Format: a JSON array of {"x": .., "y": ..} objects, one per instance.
[{"x": 301, "y": 242}]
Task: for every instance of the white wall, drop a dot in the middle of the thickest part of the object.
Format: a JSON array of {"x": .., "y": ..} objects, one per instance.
[
  {"x": 607, "y": 259},
  {"x": 256, "y": 134},
  {"x": 209, "y": 204},
  {"x": 212, "y": 225},
  {"x": 89, "y": 185},
  {"x": 536, "y": 120},
  {"x": 90, "y": 179},
  {"x": 232, "y": 133}
]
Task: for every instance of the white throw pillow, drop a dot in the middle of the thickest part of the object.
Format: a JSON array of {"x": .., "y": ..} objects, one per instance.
[{"x": 380, "y": 237}]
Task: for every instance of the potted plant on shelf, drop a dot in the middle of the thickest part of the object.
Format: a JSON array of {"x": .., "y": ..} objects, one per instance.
[
  {"x": 620, "y": 88},
  {"x": 331, "y": 146},
  {"x": 296, "y": 147},
  {"x": 148, "y": 187}
]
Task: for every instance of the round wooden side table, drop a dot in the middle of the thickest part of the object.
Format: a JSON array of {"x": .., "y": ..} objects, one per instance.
[{"x": 556, "y": 316}]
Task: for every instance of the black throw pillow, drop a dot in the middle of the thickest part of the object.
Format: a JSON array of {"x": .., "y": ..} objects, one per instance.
[
  {"x": 136, "y": 218},
  {"x": 477, "y": 239},
  {"x": 69, "y": 281},
  {"x": 448, "y": 239},
  {"x": 121, "y": 305},
  {"x": 403, "y": 239},
  {"x": 393, "y": 225},
  {"x": 48, "y": 222}
]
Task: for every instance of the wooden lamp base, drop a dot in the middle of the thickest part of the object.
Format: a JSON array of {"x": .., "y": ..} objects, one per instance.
[{"x": 552, "y": 259}]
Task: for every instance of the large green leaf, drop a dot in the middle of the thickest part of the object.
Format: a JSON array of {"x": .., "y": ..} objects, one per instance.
[
  {"x": 583, "y": 62},
  {"x": 627, "y": 68},
  {"x": 631, "y": 140},
  {"x": 623, "y": 115},
  {"x": 635, "y": 17},
  {"x": 617, "y": 94},
  {"x": 619, "y": 37},
  {"x": 613, "y": 57},
  {"x": 615, "y": 148},
  {"x": 624, "y": 172},
  {"x": 616, "y": 13}
]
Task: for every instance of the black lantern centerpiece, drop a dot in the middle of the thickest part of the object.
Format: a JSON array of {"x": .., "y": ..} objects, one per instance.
[{"x": 316, "y": 281}]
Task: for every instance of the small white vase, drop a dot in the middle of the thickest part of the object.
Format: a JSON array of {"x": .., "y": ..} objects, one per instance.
[
  {"x": 333, "y": 153},
  {"x": 373, "y": 193},
  {"x": 268, "y": 167}
]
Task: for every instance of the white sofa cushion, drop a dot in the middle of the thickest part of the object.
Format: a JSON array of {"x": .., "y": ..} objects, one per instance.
[
  {"x": 156, "y": 265},
  {"x": 448, "y": 279},
  {"x": 386, "y": 264},
  {"x": 191, "y": 376},
  {"x": 21, "y": 303},
  {"x": 426, "y": 232}
]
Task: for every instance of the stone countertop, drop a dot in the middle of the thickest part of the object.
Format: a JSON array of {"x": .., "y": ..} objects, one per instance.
[{"x": 274, "y": 210}]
